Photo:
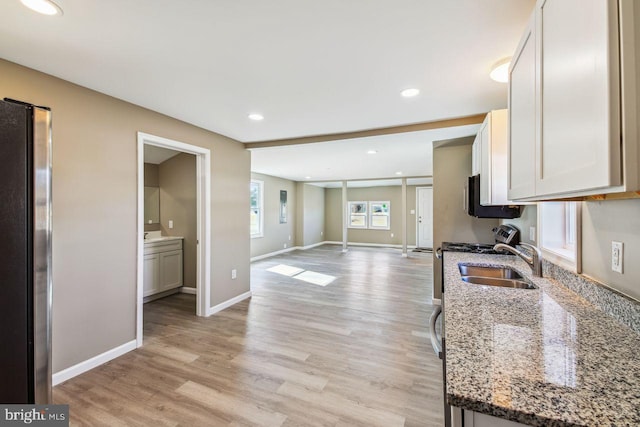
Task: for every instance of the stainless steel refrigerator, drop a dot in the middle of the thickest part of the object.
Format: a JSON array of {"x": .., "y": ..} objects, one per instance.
[{"x": 25, "y": 253}]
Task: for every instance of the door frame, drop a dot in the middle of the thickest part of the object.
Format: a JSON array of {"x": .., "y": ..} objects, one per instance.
[
  {"x": 418, "y": 213},
  {"x": 203, "y": 223}
]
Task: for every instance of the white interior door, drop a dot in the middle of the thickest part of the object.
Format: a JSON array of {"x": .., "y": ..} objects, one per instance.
[{"x": 425, "y": 217}]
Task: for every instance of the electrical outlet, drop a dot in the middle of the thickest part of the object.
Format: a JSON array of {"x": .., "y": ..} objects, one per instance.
[
  {"x": 412, "y": 211},
  {"x": 532, "y": 234},
  {"x": 617, "y": 255},
  {"x": 289, "y": 237},
  {"x": 391, "y": 234},
  {"x": 170, "y": 223},
  {"x": 285, "y": 246},
  {"x": 234, "y": 273},
  {"x": 321, "y": 233}
]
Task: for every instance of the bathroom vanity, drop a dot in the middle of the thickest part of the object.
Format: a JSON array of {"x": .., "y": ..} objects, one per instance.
[{"x": 163, "y": 270}]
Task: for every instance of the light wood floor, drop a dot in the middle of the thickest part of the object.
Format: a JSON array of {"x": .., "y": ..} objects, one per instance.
[{"x": 353, "y": 353}]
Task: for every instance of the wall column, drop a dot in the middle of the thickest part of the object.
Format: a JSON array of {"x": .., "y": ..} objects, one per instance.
[
  {"x": 345, "y": 217},
  {"x": 404, "y": 217}
]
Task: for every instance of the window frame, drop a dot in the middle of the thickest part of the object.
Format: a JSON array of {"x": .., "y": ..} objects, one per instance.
[
  {"x": 387, "y": 215},
  {"x": 260, "y": 208},
  {"x": 559, "y": 238}
]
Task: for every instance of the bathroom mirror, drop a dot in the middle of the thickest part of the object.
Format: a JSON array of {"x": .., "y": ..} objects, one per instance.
[{"x": 151, "y": 205}]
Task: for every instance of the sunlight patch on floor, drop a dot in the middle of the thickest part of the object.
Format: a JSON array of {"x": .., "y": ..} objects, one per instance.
[{"x": 300, "y": 274}]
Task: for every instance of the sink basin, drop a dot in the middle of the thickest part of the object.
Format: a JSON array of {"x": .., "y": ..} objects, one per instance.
[
  {"x": 494, "y": 281},
  {"x": 487, "y": 275},
  {"x": 487, "y": 271}
]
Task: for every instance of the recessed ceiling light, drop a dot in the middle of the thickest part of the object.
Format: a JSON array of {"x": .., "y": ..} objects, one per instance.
[
  {"x": 410, "y": 93},
  {"x": 45, "y": 7},
  {"x": 500, "y": 70},
  {"x": 398, "y": 173},
  {"x": 256, "y": 117},
  {"x": 372, "y": 152},
  {"x": 307, "y": 177}
]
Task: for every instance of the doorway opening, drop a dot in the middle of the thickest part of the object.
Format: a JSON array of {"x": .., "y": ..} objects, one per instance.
[{"x": 203, "y": 224}]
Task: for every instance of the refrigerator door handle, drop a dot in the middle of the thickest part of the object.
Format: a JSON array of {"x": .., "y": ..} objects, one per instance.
[{"x": 435, "y": 342}]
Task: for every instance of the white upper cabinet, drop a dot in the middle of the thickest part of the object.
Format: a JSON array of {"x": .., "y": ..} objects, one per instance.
[
  {"x": 522, "y": 117},
  {"x": 572, "y": 96},
  {"x": 490, "y": 159}
]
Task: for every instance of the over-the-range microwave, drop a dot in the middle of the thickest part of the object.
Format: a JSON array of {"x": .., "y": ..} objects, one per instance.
[{"x": 474, "y": 208}]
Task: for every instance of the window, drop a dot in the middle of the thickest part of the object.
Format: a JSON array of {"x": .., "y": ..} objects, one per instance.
[
  {"x": 257, "y": 208},
  {"x": 380, "y": 215},
  {"x": 357, "y": 212},
  {"x": 559, "y": 224}
]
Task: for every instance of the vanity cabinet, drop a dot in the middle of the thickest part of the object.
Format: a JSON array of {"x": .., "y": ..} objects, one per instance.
[
  {"x": 163, "y": 269},
  {"x": 489, "y": 159},
  {"x": 573, "y": 119}
]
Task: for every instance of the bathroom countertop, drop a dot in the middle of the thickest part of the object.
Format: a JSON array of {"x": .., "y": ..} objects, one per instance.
[
  {"x": 542, "y": 357},
  {"x": 162, "y": 239}
]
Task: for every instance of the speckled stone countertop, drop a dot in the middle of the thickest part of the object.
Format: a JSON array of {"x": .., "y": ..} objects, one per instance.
[{"x": 543, "y": 357}]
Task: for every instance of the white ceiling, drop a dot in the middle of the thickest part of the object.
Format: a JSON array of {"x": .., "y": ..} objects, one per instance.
[
  {"x": 310, "y": 67},
  {"x": 409, "y": 153},
  {"x": 157, "y": 155}
]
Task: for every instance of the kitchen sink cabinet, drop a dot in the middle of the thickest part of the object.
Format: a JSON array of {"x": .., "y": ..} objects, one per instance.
[
  {"x": 573, "y": 121},
  {"x": 466, "y": 418},
  {"x": 489, "y": 156}
]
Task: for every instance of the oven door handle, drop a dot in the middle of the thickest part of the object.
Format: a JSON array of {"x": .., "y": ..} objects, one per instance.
[{"x": 435, "y": 342}]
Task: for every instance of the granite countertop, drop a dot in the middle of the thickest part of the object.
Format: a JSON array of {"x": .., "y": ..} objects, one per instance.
[{"x": 543, "y": 357}]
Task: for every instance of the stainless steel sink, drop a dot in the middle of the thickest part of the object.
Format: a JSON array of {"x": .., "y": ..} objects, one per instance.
[
  {"x": 504, "y": 277},
  {"x": 487, "y": 271},
  {"x": 494, "y": 281}
]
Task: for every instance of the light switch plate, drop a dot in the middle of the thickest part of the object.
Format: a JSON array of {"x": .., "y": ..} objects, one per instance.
[
  {"x": 617, "y": 255},
  {"x": 234, "y": 273},
  {"x": 170, "y": 223}
]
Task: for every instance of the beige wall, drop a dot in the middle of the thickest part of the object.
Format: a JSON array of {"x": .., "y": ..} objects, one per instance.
[
  {"x": 178, "y": 203},
  {"x": 603, "y": 222},
  {"x": 94, "y": 210},
  {"x": 275, "y": 235},
  {"x": 313, "y": 208},
  {"x": 333, "y": 212},
  {"x": 451, "y": 168}
]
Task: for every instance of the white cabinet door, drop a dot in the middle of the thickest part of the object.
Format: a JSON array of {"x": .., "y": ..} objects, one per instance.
[
  {"x": 170, "y": 270},
  {"x": 151, "y": 274},
  {"x": 522, "y": 117},
  {"x": 485, "y": 161},
  {"x": 476, "y": 155},
  {"x": 579, "y": 141}
]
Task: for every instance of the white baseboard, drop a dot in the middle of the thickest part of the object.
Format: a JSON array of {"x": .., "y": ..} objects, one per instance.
[
  {"x": 227, "y": 303},
  {"x": 188, "y": 290},
  {"x": 87, "y": 365},
  {"x": 374, "y": 245},
  {"x": 436, "y": 301},
  {"x": 270, "y": 254},
  {"x": 282, "y": 251}
]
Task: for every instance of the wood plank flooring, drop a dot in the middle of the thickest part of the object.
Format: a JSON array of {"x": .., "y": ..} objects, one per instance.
[{"x": 353, "y": 353}]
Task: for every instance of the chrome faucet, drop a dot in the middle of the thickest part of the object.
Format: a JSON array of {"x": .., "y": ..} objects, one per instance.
[{"x": 534, "y": 261}]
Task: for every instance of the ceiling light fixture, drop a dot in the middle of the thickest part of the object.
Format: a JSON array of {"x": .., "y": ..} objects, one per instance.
[
  {"x": 307, "y": 177},
  {"x": 256, "y": 117},
  {"x": 410, "y": 93},
  {"x": 398, "y": 173},
  {"x": 500, "y": 70},
  {"x": 372, "y": 152},
  {"x": 45, "y": 7}
]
